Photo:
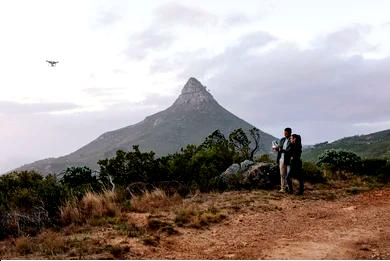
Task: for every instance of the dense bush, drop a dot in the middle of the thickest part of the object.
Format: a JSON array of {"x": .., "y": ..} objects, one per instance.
[
  {"x": 340, "y": 160},
  {"x": 194, "y": 166},
  {"x": 79, "y": 180},
  {"x": 311, "y": 172},
  {"x": 373, "y": 167},
  {"x": 28, "y": 202},
  {"x": 128, "y": 167}
]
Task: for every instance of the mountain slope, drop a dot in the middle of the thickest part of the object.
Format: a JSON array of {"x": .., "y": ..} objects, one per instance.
[
  {"x": 374, "y": 145},
  {"x": 191, "y": 118}
]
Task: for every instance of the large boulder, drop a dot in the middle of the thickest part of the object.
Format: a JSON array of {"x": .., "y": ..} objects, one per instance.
[
  {"x": 246, "y": 164},
  {"x": 257, "y": 175},
  {"x": 230, "y": 172},
  {"x": 261, "y": 175}
]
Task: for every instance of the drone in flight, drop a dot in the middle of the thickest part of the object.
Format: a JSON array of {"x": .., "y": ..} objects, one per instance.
[{"x": 52, "y": 63}]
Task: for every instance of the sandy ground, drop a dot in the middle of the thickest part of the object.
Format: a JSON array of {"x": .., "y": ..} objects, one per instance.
[{"x": 356, "y": 227}]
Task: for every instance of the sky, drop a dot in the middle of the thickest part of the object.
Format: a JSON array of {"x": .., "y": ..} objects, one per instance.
[{"x": 320, "y": 67}]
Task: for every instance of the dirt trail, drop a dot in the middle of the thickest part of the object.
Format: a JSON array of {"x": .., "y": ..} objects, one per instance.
[{"x": 349, "y": 228}]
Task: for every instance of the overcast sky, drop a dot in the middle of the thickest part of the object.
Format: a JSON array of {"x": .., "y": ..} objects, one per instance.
[{"x": 320, "y": 67}]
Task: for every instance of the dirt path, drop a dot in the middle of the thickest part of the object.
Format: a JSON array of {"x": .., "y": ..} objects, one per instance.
[{"x": 356, "y": 227}]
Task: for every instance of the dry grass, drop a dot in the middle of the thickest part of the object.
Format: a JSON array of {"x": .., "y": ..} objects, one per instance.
[
  {"x": 99, "y": 205},
  {"x": 24, "y": 245},
  {"x": 157, "y": 199},
  {"x": 70, "y": 212},
  {"x": 90, "y": 207},
  {"x": 198, "y": 219},
  {"x": 52, "y": 243}
]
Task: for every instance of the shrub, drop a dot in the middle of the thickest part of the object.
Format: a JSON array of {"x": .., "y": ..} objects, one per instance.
[
  {"x": 312, "y": 173},
  {"x": 340, "y": 160},
  {"x": 156, "y": 224},
  {"x": 117, "y": 252},
  {"x": 151, "y": 240},
  {"x": 265, "y": 158},
  {"x": 52, "y": 243},
  {"x": 24, "y": 245},
  {"x": 79, "y": 180},
  {"x": 183, "y": 216},
  {"x": 373, "y": 167},
  {"x": 129, "y": 167},
  {"x": 198, "y": 219},
  {"x": 130, "y": 229},
  {"x": 28, "y": 202}
]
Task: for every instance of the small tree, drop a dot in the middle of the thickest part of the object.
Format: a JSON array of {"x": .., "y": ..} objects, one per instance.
[
  {"x": 129, "y": 167},
  {"x": 215, "y": 138},
  {"x": 255, "y": 135},
  {"x": 80, "y": 179},
  {"x": 240, "y": 143}
]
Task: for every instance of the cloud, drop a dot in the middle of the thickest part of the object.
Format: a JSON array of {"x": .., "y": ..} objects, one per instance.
[
  {"x": 347, "y": 41},
  {"x": 318, "y": 86},
  {"x": 107, "y": 15},
  {"x": 198, "y": 63},
  {"x": 161, "y": 33},
  {"x": 173, "y": 14},
  {"x": 236, "y": 19},
  {"x": 102, "y": 92},
  {"x": 53, "y": 135},
  {"x": 152, "y": 39},
  {"x": 8, "y": 107}
]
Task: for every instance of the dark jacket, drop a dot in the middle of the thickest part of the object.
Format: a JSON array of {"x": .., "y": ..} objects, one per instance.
[
  {"x": 295, "y": 154},
  {"x": 287, "y": 151}
]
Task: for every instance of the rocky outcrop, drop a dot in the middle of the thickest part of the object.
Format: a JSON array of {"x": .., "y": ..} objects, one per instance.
[{"x": 262, "y": 175}]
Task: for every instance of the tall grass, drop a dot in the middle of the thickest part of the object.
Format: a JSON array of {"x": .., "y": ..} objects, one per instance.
[
  {"x": 155, "y": 199},
  {"x": 91, "y": 206}
]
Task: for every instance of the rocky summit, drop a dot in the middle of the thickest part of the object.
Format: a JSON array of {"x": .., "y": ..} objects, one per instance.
[{"x": 193, "y": 116}]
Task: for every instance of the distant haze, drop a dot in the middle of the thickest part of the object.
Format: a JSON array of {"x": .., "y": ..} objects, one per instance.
[{"x": 320, "y": 67}]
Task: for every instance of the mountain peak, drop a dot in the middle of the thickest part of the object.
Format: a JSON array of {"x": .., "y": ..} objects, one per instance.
[
  {"x": 192, "y": 117},
  {"x": 192, "y": 86},
  {"x": 193, "y": 96}
]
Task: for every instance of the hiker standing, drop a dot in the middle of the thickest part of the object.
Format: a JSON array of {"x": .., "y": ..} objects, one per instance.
[
  {"x": 296, "y": 163},
  {"x": 283, "y": 158}
]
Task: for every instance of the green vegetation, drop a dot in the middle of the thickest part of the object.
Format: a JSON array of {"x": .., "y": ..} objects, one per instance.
[
  {"x": 371, "y": 146},
  {"x": 340, "y": 160},
  {"x": 30, "y": 202},
  {"x": 194, "y": 166}
]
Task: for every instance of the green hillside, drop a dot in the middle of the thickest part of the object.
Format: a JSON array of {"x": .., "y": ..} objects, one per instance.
[{"x": 374, "y": 145}]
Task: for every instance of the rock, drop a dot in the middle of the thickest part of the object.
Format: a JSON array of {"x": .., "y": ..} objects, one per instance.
[
  {"x": 351, "y": 208},
  {"x": 230, "y": 172},
  {"x": 261, "y": 175},
  {"x": 246, "y": 164}
]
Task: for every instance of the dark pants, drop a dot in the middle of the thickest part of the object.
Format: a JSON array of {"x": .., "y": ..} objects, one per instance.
[{"x": 295, "y": 172}]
